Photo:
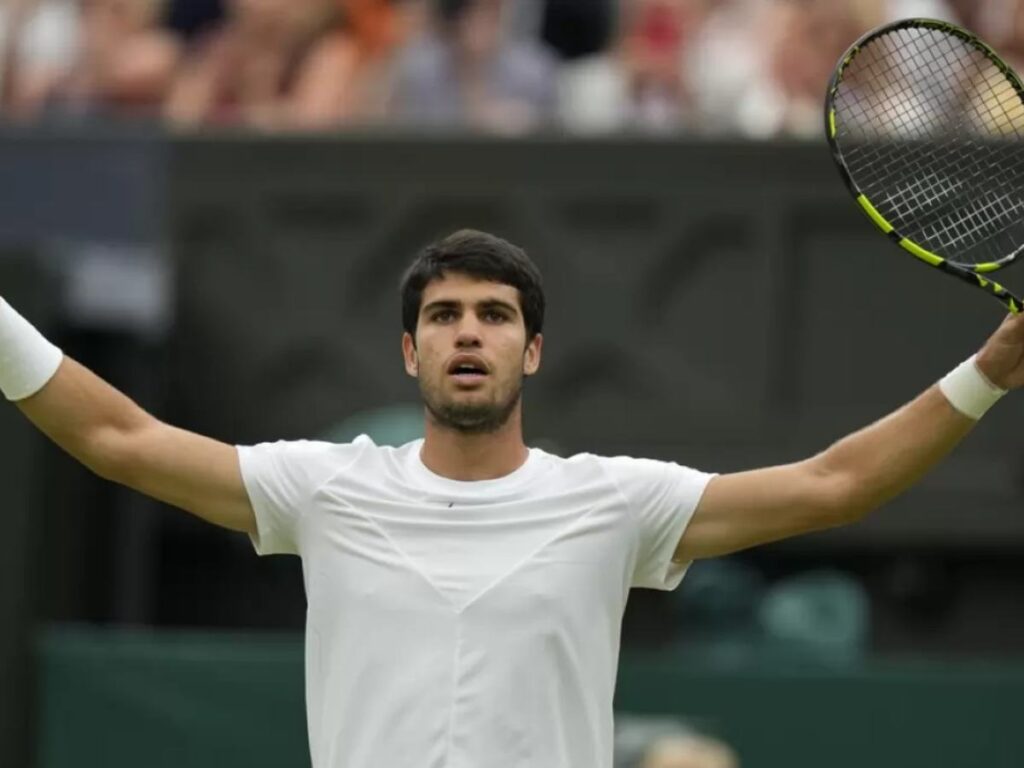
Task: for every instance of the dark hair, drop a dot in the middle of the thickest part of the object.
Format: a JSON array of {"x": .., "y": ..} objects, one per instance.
[
  {"x": 481, "y": 256},
  {"x": 450, "y": 11}
]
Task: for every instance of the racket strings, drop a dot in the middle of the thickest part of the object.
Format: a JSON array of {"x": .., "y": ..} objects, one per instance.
[
  {"x": 929, "y": 187},
  {"x": 924, "y": 121}
]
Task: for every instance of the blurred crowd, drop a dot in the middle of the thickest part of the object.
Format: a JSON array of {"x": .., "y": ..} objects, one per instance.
[
  {"x": 652, "y": 742},
  {"x": 751, "y": 68}
]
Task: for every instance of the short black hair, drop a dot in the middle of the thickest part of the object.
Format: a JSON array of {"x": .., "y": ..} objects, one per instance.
[{"x": 478, "y": 255}]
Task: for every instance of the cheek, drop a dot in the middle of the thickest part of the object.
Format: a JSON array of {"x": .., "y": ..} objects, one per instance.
[
  {"x": 431, "y": 364},
  {"x": 515, "y": 358},
  {"x": 426, "y": 365}
]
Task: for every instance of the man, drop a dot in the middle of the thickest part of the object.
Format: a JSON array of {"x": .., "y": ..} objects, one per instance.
[{"x": 465, "y": 592}]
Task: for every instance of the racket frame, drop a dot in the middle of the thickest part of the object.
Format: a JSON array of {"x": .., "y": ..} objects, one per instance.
[{"x": 972, "y": 274}]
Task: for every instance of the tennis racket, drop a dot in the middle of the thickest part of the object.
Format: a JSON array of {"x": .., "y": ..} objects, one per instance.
[{"x": 925, "y": 123}]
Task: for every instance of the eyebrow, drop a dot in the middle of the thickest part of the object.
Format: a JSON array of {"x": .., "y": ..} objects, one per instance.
[{"x": 483, "y": 304}]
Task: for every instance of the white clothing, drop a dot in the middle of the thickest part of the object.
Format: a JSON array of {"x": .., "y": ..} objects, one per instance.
[
  {"x": 49, "y": 38},
  {"x": 465, "y": 624}
]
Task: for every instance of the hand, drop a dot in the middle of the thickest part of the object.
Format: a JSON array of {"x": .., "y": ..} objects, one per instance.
[{"x": 1001, "y": 360}]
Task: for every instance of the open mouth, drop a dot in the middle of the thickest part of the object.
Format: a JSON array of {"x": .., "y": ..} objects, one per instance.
[{"x": 467, "y": 370}]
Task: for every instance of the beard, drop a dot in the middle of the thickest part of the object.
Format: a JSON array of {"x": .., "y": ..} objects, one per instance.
[{"x": 471, "y": 418}]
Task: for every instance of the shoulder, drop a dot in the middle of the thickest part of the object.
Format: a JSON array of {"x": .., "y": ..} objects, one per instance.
[
  {"x": 638, "y": 478},
  {"x": 313, "y": 448},
  {"x": 613, "y": 465},
  {"x": 593, "y": 468},
  {"x": 311, "y": 459}
]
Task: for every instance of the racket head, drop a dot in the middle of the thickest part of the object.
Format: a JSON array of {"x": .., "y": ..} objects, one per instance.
[{"x": 924, "y": 122}]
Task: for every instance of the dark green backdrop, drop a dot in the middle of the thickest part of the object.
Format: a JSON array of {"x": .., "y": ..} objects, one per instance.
[
  {"x": 166, "y": 701},
  {"x": 722, "y": 305}
]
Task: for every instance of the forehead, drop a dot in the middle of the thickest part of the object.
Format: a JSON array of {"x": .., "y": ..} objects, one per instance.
[{"x": 465, "y": 289}]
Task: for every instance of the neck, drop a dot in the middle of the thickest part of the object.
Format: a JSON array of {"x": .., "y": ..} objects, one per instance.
[{"x": 467, "y": 457}]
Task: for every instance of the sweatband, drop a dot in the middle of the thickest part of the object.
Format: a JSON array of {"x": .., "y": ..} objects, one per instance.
[
  {"x": 968, "y": 390},
  {"x": 27, "y": 359}
]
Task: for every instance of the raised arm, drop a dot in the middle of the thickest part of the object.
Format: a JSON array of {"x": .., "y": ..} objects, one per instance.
[
  {"x": 860, "y": 472},
  {"x": 114, "y": 437}
]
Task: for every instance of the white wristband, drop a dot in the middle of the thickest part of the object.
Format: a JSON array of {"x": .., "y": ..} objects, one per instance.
[
  {"x": 968, "y": 390},
  {"x": 27, "y": 359}
]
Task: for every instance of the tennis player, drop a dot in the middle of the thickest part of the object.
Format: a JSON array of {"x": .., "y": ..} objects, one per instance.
[{"x": 465, "y": 592}]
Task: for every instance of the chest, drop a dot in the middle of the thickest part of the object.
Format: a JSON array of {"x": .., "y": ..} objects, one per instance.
[{"x": 390, "y": 553}]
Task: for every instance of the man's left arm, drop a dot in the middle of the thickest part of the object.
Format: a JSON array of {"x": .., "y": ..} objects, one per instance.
[{"x": 855, "y": 475}]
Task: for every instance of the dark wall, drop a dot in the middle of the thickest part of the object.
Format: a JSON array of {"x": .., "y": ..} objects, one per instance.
[
  {"x": 22, "y": 282},
  {"x": 80, "y": 185},
  {"x": 720, "y": 305}
]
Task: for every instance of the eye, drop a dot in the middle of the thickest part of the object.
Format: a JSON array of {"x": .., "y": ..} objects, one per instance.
[
  {"x": 443, "y": 316},
  {"x": 495, "y": 316}
]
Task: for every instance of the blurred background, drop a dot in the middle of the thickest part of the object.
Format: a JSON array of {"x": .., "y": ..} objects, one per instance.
[{"x": 210, "y": 202}]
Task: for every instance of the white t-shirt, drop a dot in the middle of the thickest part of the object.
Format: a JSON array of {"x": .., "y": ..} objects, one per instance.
[
  {"x": 465, "y": 624},
  {"x": 50, "y": 36}
]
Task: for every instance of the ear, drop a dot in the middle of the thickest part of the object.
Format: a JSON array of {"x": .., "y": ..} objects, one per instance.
[
  {"x": 531, "y": 358},
  {"x": 412, "y": 362}
]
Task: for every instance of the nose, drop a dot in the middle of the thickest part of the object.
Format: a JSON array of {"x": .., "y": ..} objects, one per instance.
[{"x": 468, "y": 333}]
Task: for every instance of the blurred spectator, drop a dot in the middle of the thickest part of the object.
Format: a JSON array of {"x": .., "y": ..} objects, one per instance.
[
  {"x": 1001, "y": 24},
  {"x": 640, "y": 83},
  {"x": 376, "y": 31},
  {"x": 120, "y": 61},
  {"x": 690, "y": 751},
  {"x": 189, "y": 18},
  {"x": 646, "y": 741},
  {"x": 37, "y": 40},
  {"x": 273, "y": 64},
  {"x": 466, "y": 71},
  {"x": 755, "y": 68},
  {"x": 922, "y": 9},
  {"x": 762, "y": 66},
  {"x": 577, "y": 28},
  {"x": 965, "y": 12},
  {"x": 522, "y": 18}
]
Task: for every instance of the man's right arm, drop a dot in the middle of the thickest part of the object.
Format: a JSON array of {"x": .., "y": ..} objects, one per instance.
[{"x": 117, "y": 439}]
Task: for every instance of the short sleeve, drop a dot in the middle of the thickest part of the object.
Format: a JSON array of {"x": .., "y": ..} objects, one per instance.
[
  {"x": 662, "y": 496},
  {"x": 281, "y": 479}
]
